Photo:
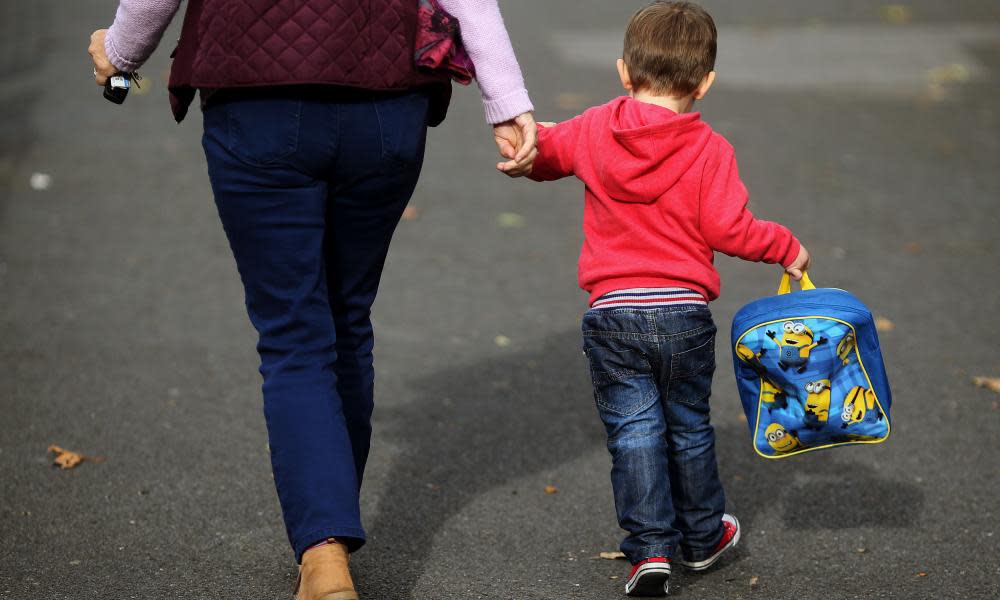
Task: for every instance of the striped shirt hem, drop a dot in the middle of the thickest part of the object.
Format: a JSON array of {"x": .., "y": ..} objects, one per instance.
[{"x": 649, "y": 298}]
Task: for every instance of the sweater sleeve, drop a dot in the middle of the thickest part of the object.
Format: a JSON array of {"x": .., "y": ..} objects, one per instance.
[
  {"x": 726, "y": 223},
  {"x": 485, "y": 39},
  {"x": 138, "y": 27},
  {"x": 557, "y": 148}
]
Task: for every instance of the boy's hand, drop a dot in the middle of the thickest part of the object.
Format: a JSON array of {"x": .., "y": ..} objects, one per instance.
[
  {"x": 517, "y": 140},
  {"x": 800, "y": 264}
]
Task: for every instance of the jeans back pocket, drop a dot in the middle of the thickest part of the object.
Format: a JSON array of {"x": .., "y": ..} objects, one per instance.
[
  {"x": 402, "y": 119},
  {"x": 691, "y": 369},
  {"x": 623, "y": 380},
  {"x": 263, "y": 131}
]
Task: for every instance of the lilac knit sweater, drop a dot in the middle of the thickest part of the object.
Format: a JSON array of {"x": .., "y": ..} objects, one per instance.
[{"x": 139, "y": 25}]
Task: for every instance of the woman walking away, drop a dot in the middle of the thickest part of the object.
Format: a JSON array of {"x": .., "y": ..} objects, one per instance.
[{"x": 315, "y": 119}]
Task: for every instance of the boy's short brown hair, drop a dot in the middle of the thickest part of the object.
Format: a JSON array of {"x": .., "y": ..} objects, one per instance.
[{"x": 670, "y": 47}]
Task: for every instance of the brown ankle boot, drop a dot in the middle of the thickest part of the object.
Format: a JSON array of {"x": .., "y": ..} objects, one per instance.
[{"x": 324, "y": 574}]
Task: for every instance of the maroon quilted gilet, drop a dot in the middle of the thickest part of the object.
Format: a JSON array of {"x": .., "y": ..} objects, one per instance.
[{"x": 366, "y": 44}]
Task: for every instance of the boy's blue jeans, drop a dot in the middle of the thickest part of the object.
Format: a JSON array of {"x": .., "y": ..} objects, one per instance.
[
  {"x": 310, "y": 186},
  {"x": 652, "y": 374}
]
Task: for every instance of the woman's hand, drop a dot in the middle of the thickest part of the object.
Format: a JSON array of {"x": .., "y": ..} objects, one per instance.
[
  {"x": 517, "y": 140},
  {"x": 103, "y": 69}
]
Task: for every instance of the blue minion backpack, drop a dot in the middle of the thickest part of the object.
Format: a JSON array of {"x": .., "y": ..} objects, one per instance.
[{"x": 809, "y": 371}]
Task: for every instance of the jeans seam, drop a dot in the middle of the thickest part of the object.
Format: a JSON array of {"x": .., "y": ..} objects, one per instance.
[
  {"x": 381, "y": 130},
  {"x": 620, "y": 335},
  {"x": 645, "y": 337}
]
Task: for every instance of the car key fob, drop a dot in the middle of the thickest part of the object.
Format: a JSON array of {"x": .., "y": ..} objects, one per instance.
[{"x": 117, "y": 86}]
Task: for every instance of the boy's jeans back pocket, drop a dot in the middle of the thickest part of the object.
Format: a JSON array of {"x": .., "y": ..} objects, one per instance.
[
  {"x": 623, "y": 381},
  {"x": 691, "y": 369}
]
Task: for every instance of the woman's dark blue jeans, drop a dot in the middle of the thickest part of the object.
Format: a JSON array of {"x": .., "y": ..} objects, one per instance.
[
  {"x": 652, "y": 374},
  {"x": 310, "y": 185}
]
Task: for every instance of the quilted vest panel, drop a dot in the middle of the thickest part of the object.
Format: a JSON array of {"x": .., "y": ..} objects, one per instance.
[{"x": 366, "y": 44}]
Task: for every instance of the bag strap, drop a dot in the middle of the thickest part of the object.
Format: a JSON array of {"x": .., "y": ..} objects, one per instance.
[{"x": 786, "y": 283}]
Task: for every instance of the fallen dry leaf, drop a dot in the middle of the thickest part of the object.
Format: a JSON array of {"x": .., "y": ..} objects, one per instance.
[
  {"x": 953, "y": 73},
  {"x": 551, "y": 489},
  {"x": 65, "y": 459},
  {"x": 922, "y": 574},
  {"x": 510, "y": 220},
  {"x": 884, "y": 324},
  {"x": 897, "y": 14},
  {"x": 612, "y": 555},
  {"x": 753, "y": 581},
  {"x": 411, "y": 213},
  {"x": 862, "y": 550},
  {"x": 990, "y": 383}
]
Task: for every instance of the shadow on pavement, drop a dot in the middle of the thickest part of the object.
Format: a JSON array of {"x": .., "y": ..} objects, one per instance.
[
  {"x": 858, "y": 500},
  {"x": 470, "y": 429},
  {"x": 474, "y": 427}
]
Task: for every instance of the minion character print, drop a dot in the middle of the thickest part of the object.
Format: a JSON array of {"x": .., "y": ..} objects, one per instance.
[
  {"x": 847, "y": 345},
  {"x": 796, "y": 343},
  {"x": 771, "y": 393},
  {"x": 811, "y": 388},
  {"x": 817, "y": 405},
  {"x": 858, "y": 402},
  {"x": 772, "y": 396},
  {"x": 781, "y": 439}
]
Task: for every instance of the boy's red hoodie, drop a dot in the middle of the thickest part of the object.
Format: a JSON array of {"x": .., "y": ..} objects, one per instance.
[{"x": 662, "y": 195}]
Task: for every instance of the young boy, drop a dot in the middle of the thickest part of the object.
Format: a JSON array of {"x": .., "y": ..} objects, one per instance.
[{"x": 662, "y": 195}]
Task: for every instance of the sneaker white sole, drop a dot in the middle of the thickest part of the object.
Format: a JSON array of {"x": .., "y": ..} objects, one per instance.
[
  {"x": 652, "y": 579},
  {"x": 701, "y": 565}
]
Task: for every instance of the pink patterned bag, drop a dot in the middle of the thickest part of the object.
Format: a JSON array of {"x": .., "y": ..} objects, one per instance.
[{"x": 439, "y": 43}]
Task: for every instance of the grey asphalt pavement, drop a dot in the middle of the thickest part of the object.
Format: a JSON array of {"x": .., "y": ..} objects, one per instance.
[{"x": 873, "y": 131}]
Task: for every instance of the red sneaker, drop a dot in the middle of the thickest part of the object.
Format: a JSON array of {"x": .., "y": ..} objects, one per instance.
[
  {"x": 650, "y": 577},
  {"x": 730, "y": 537}
]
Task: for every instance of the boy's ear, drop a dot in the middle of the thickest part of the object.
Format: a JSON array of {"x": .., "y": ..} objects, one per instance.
[
  {"x": 704, "y": 86},
  {"x": 623, "y": 74}
]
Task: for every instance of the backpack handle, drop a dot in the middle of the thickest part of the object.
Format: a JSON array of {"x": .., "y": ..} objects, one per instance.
[{"x": 786, "y": 283}]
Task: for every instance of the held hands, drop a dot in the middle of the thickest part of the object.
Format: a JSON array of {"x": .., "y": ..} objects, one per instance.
[
  {"x": 517, "y": 140},
  {"x": 800, "y": 264},
  {"x": 103, "y": 69}
]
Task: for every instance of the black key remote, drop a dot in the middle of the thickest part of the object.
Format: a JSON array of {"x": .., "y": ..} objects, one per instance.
[{"x": 117, "y": 86}]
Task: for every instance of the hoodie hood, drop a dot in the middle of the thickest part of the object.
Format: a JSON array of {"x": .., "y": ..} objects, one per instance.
[{"x": 654, "y": 147}]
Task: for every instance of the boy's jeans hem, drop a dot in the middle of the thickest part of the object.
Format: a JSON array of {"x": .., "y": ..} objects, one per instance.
[
  {"x": 699, "y": 554},
  {"x": 645, "y": 552},
  {"x": 352, "y": 537}
]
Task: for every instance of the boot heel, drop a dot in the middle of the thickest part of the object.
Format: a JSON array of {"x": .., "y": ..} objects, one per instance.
[{"x": 341, "y": 596}]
